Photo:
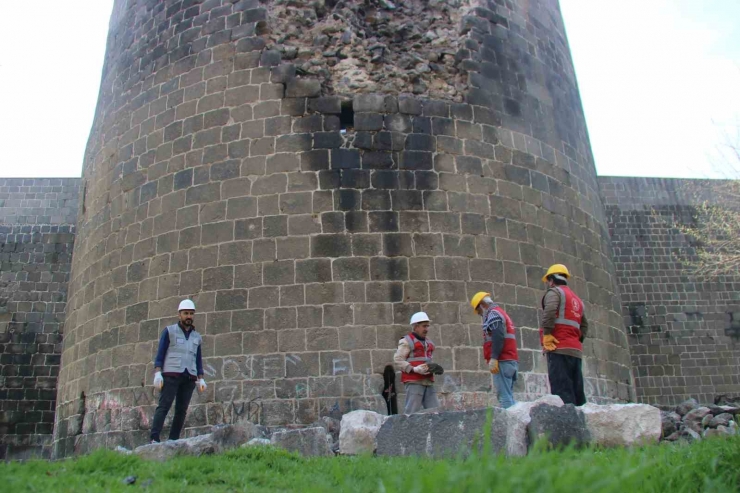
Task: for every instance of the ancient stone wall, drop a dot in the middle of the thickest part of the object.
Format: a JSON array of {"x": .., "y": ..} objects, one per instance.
[
  {"x": 37, "y": 227},
  {"x": 309, "y": 212},
  {"x": 684, "y": 331}
]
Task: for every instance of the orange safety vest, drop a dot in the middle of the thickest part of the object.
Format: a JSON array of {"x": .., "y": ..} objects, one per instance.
[
  {"x": 567, "y": 328},
  {"x": 509, "y": 351},
  {"x": 421, "y": 353}
]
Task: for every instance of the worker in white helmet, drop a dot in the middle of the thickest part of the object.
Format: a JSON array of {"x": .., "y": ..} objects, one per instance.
[
  {"x": 413, "y": 359},
  {"x": 178, "y": 369}
]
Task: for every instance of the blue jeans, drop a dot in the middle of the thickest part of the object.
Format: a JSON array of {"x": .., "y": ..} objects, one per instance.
[{"x": 504, "y": 381}]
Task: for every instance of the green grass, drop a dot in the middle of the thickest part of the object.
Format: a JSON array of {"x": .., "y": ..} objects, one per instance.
[{"x": 707, "y": 466}]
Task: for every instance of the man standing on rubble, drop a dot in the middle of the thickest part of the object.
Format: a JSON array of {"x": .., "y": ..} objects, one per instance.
[
  {"x": 564, "y": 327},
  {"x": 499, "y": 346},
  {"x": 413, "y": 359},
  {"x": 178, "y": 369}
]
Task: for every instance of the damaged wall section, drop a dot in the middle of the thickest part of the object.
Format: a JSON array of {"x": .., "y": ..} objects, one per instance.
[{"x": 374, "y": 45}]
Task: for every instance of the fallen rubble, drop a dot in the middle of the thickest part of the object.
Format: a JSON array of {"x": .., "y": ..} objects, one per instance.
[
  {"x": 691, "y": 421},
  {"x": 458, "y": 433}
]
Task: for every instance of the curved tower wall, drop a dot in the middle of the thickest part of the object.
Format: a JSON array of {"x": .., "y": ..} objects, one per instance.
[{"x": 312, "y": 175}]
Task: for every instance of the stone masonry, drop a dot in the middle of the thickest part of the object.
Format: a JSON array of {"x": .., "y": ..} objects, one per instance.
[
  {"x": 684, "y": 333},
  {"x": 311, "y": 174},
  {"x": 37, "y": 227},
  {"x": 309, "y": 219}
]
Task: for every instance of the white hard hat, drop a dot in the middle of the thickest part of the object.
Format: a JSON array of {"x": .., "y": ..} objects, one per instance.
[
  {"x": 186, "y": 305},
  {"x": 419, "y": 317}
]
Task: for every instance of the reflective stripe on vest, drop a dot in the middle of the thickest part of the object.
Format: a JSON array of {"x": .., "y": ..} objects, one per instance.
[
  {"x": 411, "y": 344},
  {"x": 182, "y": 351},
  {"x": 561, "y": 320}
]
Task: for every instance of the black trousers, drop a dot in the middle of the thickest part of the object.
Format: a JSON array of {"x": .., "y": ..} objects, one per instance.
[
  {"x": 178, "y": 389},
  {"x": 566, "y": 378}
]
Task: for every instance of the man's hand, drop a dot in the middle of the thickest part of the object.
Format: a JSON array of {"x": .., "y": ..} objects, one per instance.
[
  {"x": 549, "y": 342},
  {"x": 202, "y": 385},
  {"x": 421, "y": 369},
  {"x": 158, "y": 380},
  {"x": 493, "y": 366}
]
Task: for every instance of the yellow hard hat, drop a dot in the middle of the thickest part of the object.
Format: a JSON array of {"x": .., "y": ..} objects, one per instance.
[
  {"x": 556, "y": 269},
  {"x": 477, "y": 299}
]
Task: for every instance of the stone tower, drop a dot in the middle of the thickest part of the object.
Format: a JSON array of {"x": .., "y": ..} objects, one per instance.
[{"x": 311, "y": 173}]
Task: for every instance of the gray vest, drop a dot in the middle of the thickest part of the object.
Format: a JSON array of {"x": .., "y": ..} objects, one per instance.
[{"x": 181, "y": 353}]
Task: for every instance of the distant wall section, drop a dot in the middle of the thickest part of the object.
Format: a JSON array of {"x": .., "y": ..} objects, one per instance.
[
  {"x": 684, "y": 334},
  {"x": 37, "y": 226}
]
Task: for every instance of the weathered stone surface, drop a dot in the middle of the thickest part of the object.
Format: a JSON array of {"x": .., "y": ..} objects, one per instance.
[
  {"x": 509, "y": 430},
  {"x": 670, "y": 423},
  {"x": 622, "y": 424},
  {"x": 444, "y": 434},
  {"x": 221, "y": 438},
  {"x": 37, "y": 232},
  {"x": 307, "y": 441},
  {"x": 197, "y": 191},
  {"x": 693, "y": 419},
  {"x": 257, "y": 442},
  {"x": 559, "y": 426},
  {"x": 331, "y": 425},
  {"x": 196, "y": 446},
  {"x": 720, "y": 420},
  {"x": 720, "y": 431},
  {"x": 686, "y": 406},
  {"x": 358, "y": 432}
]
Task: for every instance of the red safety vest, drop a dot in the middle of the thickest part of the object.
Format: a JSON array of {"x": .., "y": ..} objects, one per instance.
[
  {"x": 421, "y": 353},
  {"x": 567, "y": 328},
  {"x": 509, "y": 351}
]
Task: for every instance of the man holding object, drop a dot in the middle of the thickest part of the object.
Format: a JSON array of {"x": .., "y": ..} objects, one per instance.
[
  {"x": 178, "y": 369},
  {"x": 413, "y": 359}
]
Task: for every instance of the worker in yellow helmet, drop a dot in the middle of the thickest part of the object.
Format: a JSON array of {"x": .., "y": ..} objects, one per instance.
[
  {"x": 499, "y": 346},
  {"x": 564, "y": 326}
]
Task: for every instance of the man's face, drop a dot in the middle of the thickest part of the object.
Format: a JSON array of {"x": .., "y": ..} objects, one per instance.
[
  {"x": 480, "y": 310},
  {"x": 422, "y": 329},
  {"x": 186, "y": 317},
  {"x": 550, "y": 283}
]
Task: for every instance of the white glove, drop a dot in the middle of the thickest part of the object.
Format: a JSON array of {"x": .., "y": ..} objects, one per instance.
[
  {"x": 421, "y": 369},
  {"x": 158, "y": 380},
  {"x": 202, "y": 385}
]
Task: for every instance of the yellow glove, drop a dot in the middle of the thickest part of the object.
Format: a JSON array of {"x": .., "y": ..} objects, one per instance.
[
  {"x": 549, "y": 342},
  {"x": 493, "y": 366}
]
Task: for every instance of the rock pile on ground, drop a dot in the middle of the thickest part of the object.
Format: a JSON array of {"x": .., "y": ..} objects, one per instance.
[
  {"x": 453, "y": 433},
  {"x": 692, "y": 421}
]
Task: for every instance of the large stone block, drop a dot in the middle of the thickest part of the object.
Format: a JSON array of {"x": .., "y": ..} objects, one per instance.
[
  {"x": 308, "y": 442},
  {"x": 622, "y": 424},
  {"x": 560, "y": 426},
  {"x": 358, "y": 432},
  {"x": 438, "y": 435}
]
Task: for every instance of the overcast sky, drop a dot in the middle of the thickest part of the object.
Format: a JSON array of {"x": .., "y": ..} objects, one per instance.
[{"x": 659, "y": 82}]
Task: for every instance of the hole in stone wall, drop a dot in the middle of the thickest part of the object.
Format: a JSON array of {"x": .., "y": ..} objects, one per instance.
[
  {"x": 733, "y": 331},
  {"x": 347, "y": 116},
  {"x": 638, "y": 313}
]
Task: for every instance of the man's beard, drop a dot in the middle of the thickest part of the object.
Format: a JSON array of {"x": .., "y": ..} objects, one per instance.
[{"x": 188, "y": 321}]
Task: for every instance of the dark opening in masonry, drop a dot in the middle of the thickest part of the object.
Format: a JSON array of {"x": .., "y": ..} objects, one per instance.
[{"x": 347, "y": 116}]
